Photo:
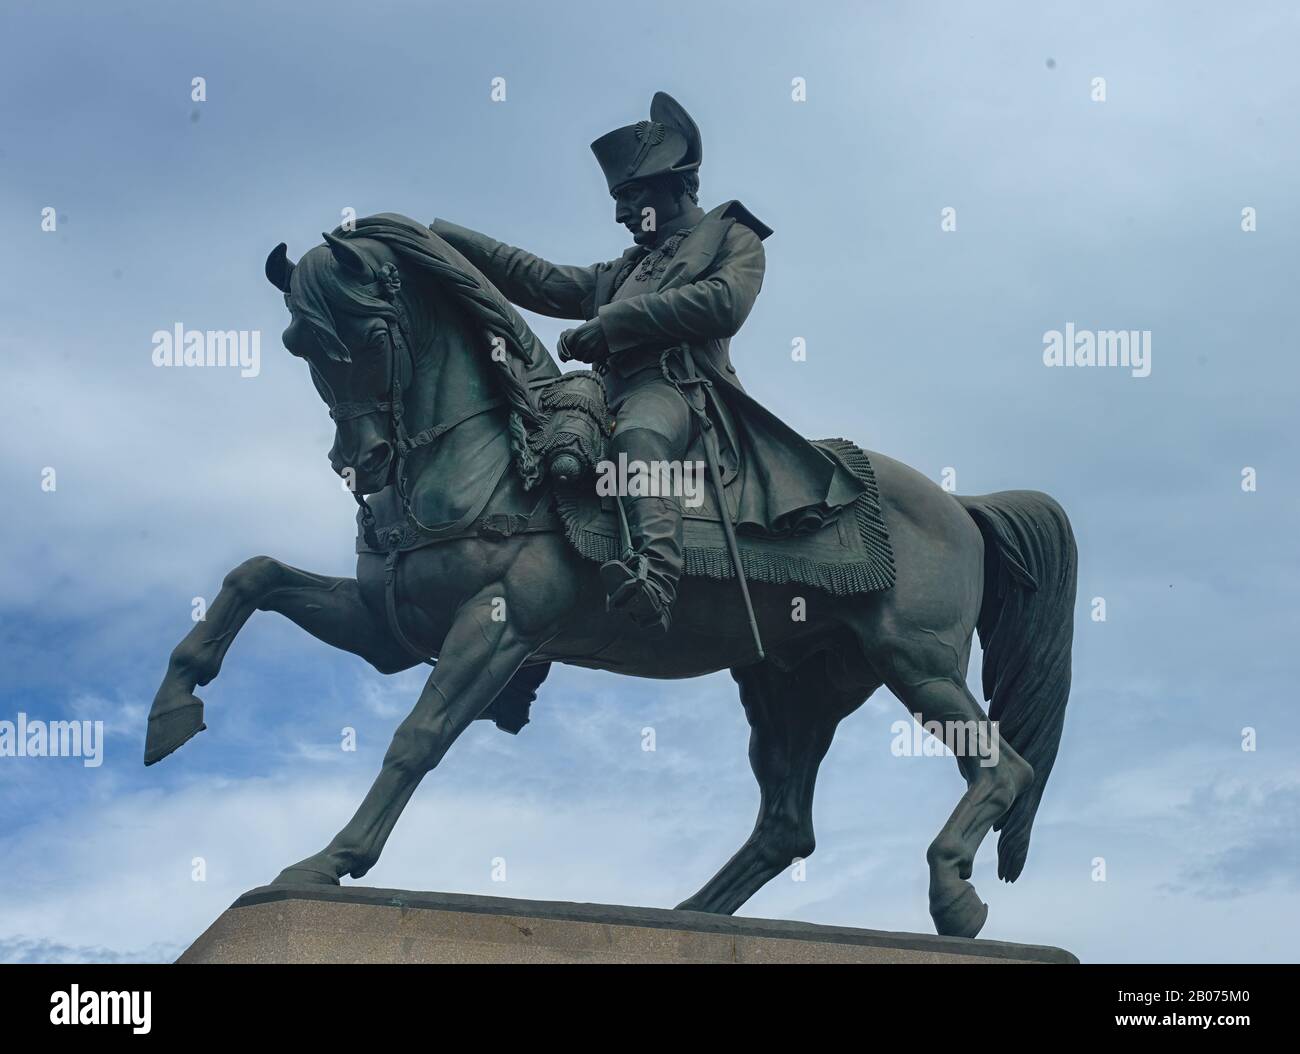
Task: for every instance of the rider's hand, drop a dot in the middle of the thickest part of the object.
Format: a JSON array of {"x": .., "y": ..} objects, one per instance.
[{"x": 586, "y": 343}]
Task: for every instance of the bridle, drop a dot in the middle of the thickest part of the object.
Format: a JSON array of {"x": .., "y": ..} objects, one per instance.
[{"x": 404, "y": 444}]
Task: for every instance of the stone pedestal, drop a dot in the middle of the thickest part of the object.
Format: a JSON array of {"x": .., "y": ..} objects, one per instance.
[{"x": 354, "y": 924}]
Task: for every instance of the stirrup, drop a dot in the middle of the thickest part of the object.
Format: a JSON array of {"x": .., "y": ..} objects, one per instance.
[{"x": 632, "y": 593}]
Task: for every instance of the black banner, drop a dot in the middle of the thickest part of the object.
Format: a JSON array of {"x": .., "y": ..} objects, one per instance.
[{"x": 140, "y": 1003}]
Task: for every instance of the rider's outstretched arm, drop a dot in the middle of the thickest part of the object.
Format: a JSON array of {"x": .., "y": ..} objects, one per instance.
[{"x": 555, "y": 290}]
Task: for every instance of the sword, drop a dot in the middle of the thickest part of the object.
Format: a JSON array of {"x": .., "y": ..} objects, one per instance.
[{"x": 715, "y": 473}]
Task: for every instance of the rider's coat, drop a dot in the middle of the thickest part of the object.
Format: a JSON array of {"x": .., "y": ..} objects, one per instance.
[{"x": 700, "y": 297}]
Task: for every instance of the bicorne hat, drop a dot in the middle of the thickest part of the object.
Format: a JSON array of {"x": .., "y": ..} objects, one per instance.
[{"x": 668, "y": 142}]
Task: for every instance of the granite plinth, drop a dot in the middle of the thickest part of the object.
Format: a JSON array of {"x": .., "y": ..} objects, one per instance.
[{"x": 355, "y": 924}]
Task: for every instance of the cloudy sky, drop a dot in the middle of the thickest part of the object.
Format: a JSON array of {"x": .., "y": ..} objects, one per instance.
[{"x": 923, "y": 343}]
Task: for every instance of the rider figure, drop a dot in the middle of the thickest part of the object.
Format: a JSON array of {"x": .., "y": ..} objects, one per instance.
[{"x": 690, "y": 278}]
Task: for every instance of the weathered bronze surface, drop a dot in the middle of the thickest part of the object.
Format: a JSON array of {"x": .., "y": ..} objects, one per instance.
[{"x": 445, "y": 405}]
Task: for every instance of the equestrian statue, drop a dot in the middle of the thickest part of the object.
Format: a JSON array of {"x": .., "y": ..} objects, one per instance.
[{"x": 814, "y": 571}]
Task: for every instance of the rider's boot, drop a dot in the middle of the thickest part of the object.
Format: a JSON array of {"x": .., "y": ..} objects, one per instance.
[{"x": 644, "y": 584}]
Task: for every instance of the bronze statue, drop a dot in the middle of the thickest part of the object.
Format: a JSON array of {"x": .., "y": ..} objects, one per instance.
[{"x": 484, "y": 550}]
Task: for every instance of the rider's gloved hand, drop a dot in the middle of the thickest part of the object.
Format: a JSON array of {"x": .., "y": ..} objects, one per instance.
[{"x": 586, "y": 343}]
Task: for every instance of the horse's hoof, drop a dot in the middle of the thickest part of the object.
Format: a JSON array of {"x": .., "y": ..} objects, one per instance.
[
  {"x": 297, "y": 875},
  {"x": 962, "y": 916},
  {"x": 172, "y": 724}
]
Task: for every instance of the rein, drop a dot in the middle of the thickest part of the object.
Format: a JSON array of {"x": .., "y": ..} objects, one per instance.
[{"x": 405, "y": 444}]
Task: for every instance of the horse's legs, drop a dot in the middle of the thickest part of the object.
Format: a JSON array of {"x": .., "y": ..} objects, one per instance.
[
  {"x": 330, "y": 609},
  {"x": 933, "y": 688},
  {"x": 477, "y": 659},
  {"x": 793, "y": 717}
]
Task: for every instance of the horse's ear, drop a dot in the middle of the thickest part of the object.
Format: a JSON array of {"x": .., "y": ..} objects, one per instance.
[
  {"x": 349, "y": 259},
  {"x": 279, "y": 267}
]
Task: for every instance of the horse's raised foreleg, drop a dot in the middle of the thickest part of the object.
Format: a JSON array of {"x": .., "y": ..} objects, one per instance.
[
  {"x": 792, "y": 717},
  {"x": 330, "y": 609},
  {"x": 478, "y": 657}
]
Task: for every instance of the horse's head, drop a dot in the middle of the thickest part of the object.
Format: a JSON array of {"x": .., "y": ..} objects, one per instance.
[{"x": 348, "y": 325}]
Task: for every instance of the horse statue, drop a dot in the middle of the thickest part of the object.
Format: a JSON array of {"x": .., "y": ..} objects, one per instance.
[{"x": 479, "y": 553}]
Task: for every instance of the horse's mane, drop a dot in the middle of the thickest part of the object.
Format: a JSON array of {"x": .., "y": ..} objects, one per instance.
[{"x": 415, "y": 245}]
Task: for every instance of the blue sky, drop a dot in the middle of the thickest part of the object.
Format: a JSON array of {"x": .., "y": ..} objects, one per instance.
[{"x": 924, "y": 344}]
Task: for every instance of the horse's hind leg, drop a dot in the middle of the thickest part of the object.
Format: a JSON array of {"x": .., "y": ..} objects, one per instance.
[
  {"x": 792, "y": 716},
  {"x": 933, "y": 688},
  {"x": 330, "y": 609}
]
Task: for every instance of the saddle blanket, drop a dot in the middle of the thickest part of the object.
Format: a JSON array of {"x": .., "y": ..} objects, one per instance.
[{"x": 851, "y": 554}]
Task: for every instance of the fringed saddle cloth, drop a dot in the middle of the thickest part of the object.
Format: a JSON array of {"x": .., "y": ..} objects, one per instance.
[{"x": 851, "y": 554}]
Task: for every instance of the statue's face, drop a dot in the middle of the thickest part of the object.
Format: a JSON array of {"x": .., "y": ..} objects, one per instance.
[
  {"x": 643, "y": 207},
  {"x": 362, "y": 453}
]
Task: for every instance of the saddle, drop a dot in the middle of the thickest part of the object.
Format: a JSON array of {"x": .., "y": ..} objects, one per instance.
[{"x": 843, "y": 554}]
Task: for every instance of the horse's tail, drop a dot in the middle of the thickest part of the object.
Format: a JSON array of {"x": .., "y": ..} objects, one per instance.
[{"x": 1026, "y": 625}]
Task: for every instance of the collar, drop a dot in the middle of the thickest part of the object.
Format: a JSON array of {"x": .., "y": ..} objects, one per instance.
[{"x": 689, "y": 218}]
